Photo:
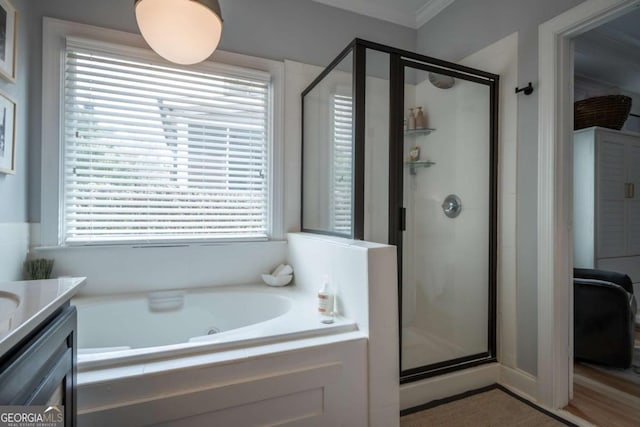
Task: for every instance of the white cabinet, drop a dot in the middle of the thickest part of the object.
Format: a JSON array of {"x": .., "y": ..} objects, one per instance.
[{"x": 606, "y": 205}]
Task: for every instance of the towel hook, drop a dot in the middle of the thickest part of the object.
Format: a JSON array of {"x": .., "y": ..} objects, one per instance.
[{"x": 528, "y": 90}]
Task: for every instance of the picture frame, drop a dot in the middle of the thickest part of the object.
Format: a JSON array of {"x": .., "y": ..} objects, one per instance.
[
  {"x": 8, "y": 40},
  {"x": 7, "y": 134}
]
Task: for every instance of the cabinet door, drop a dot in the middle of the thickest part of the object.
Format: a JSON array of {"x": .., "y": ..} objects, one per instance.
[
  {"x": 633, "y": 204},
  {"x": 611, "y": 238}
]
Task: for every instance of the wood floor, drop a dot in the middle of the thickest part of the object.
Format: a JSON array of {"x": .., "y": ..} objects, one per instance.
[
  {"x": 602, "y": 410},
  {"x": 605, "y": 400},
  {"x": 605, "y": 379}
]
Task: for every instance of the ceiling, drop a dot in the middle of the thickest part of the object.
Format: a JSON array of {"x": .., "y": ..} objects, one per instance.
[
  {"x": 408, "y": 13},
  {"x": 611, "y": 53}
]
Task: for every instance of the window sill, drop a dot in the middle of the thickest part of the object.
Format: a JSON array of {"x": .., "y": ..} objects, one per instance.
[{"x": 159, "y": 245}]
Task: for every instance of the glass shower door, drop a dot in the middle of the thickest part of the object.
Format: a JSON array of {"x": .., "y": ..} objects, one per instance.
[
  {"x": 423, "y": 180},
  {"x": 448, "y": 196}
]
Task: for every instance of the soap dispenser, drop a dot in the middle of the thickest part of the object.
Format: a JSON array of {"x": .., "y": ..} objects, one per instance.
[
  {"x": 421, "y": 119},
  {"x": 411, "y": 120},
  {"x": 325, "y": 298}
]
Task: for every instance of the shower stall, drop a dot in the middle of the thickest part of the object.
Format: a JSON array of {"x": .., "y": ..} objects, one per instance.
[{"x": 400, "y": 148}]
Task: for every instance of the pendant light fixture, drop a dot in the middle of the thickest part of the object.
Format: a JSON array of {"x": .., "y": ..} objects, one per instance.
[{"x": 181, "y": 31}]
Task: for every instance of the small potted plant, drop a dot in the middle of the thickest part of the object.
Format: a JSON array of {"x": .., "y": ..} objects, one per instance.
[{"x": 38, "y": 269}]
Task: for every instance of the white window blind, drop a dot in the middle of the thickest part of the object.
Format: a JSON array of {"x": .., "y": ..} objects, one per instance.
[
  {"x": 342, "y": 164},
  {"x": 155, "y": 153}
]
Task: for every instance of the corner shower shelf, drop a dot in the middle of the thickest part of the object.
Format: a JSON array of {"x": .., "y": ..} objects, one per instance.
[
  {"x": 413, "y": 165},
  {"x": 423, "y": 131}
]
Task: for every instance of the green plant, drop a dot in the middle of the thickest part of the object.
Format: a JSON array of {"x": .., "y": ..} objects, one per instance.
[{"x": 38, "y": 269}]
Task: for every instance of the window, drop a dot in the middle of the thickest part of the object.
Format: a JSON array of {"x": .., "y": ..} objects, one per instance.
[
  {"x": 342, "y": 163},
  {"x": 152, "y": 152}
]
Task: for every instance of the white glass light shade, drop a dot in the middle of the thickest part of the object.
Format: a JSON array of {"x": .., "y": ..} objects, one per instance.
[{"x": 181, "y": 31}]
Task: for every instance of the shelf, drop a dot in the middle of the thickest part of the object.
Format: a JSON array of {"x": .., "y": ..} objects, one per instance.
[
  {"x": 418, "y": 164},
  {"x": 423, "y": 131}
]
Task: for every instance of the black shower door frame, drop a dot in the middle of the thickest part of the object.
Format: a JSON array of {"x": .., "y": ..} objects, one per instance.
[
  {"x": 399, "y": 64},
  {"x": 399, "y": 60}
]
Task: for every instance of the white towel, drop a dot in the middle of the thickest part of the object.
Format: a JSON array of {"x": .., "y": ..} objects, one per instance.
[{"x": 282, "y": 270}]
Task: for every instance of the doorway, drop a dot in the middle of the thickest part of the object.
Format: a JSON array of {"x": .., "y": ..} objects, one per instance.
[
  {"x": 606, "y": 250},
  {"x": 555, "y": 193}
]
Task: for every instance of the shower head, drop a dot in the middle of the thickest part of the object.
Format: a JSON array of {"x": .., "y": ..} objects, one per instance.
[{"x": 441, "y": 81}]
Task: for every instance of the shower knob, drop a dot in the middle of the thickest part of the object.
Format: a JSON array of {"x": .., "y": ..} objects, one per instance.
[{"x": 452, "y": 206}]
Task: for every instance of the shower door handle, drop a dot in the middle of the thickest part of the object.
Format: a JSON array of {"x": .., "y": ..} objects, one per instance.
[{"x": 403, "y": 219}]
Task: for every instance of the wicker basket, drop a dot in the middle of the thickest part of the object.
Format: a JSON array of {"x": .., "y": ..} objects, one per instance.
[{"x": 609, "y": 111}]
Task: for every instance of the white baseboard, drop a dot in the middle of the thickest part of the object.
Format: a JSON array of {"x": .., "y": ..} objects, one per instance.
[
  {"x": 421, "y": 392},
  {"x": 520, "y": 382}
]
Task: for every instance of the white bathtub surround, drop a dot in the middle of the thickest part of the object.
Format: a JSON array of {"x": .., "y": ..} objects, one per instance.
[
  {"x": 120, "y": 269},
  {"x": 314, "y": 381},
  {"x": 139, "y": 328},
  {"x": 364, "y": 278},
  {"x": 272, "y": 361},
  {"x": 14, "y": 245}
]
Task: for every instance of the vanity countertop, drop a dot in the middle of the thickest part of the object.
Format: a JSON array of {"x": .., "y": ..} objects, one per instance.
[{"x": 24, "y": 305}]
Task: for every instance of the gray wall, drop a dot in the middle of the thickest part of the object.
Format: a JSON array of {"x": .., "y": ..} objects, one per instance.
[
  {"x": 300, "y": 30},
  {"x": 13, "y": 188},
  {"x": 463, "y": 28}
]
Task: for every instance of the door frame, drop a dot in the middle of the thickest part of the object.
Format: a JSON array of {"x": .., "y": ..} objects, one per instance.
[{"x": 555, "y": 192}]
